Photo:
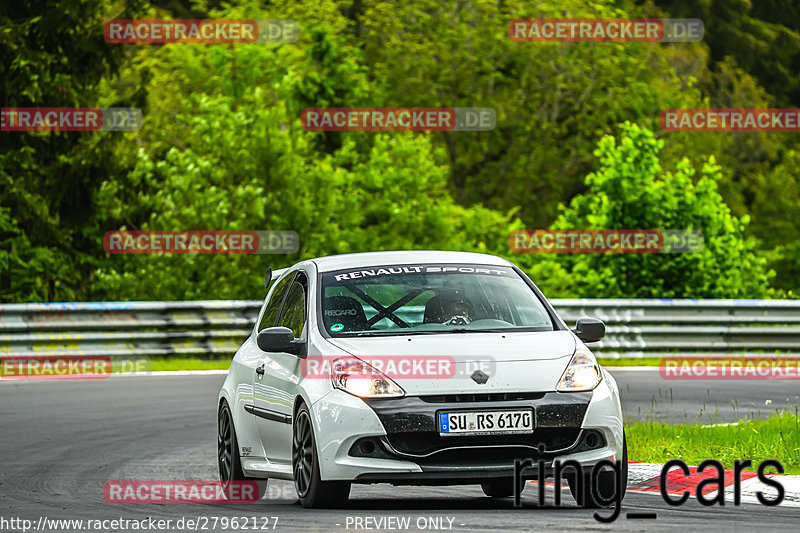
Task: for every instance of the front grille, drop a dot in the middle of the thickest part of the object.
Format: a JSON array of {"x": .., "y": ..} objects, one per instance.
[
  {"x": 427, "y": 442},
  {"x": 486, "y": 397}
]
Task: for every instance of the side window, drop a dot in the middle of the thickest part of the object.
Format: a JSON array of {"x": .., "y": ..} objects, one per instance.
[
  {"x": 294, "y": 312},
  {"x": 274, "y": 304}
]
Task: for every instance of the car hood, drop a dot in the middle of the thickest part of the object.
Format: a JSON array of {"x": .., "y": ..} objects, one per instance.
[
  {"x": 513, "y": 362},
  {"x": 518, "y": 346}
]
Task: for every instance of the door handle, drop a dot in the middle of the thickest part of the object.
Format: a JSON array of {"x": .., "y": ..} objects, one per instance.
[{"x": 260, "y": 370}]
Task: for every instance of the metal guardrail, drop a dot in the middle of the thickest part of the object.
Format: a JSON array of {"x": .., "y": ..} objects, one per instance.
[
  {"x": 215, "y": 329},
  {"x": 658, "y": 328}
]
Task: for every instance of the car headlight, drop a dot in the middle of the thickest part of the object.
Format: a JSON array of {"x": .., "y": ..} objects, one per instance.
[
  {"x": 582, "y": 373},
  {"x": 360, "y": 379}
]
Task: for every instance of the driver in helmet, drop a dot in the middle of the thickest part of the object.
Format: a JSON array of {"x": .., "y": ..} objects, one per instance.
[{"x": 451, "y": 310}]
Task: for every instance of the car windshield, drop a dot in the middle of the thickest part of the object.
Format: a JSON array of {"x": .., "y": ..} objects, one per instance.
[{"x": 429, "y": 299}]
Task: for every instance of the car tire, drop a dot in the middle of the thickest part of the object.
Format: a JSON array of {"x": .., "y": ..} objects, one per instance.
[
  {"x": 312, "y": 492},
  {"x": 501, "y": 488},
  {"x": 228, "y": 459},
  {"x": 606, "y": 487}
]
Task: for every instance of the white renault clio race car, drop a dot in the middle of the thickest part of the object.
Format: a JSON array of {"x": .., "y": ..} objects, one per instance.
[{"x": 414, "y": 368}]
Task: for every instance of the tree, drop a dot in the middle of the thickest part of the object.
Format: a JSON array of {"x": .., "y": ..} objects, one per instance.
[
  {"x": 55, "y": 56},
  {"x": 777, "y": 202},
  {"x": 239, "y": 160},
  {"x": 631, "y": 191},
  {"x": 763, "y": 36}
]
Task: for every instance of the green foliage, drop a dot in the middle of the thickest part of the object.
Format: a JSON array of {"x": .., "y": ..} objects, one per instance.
[
  {"x": 763, "y": 36},
  {"x": 222, "y": 146},
  {"x": 53, "y": 55},
  {"x": 777, "y": 200},
  {"x": 631, "y": 191},
  {"x": 245, "y": 163},
  {"x": 553, "y": 101}
]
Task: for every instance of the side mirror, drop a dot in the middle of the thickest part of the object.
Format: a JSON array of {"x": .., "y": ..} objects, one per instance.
[
  {"x": 589, "y": 329},
  {"x": 280, "y": 339}
]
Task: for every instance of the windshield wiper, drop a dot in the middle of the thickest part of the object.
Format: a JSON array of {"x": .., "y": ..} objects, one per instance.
[{"x": 400, "y": 332}]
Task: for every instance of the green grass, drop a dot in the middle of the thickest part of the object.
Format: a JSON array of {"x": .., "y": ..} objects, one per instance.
[
  {"x": 777, "y": 437},
  {"x": 161, "y": 364},
  {"x": 630, "y": 361},
  {"x": 656, "y": 361},
  {"x": 185, "y": 363}
]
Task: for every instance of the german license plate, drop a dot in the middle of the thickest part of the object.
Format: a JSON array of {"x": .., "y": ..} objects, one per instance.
[{"x": 486, "y": 422}]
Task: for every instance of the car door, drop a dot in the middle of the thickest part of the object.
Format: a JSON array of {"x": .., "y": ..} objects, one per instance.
[
  {"x": 268, "y": 318},
  {"x": 278, "y": 373}
]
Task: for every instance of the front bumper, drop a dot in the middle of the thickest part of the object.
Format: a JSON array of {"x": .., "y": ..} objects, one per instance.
[
  {"x": 412, "y": 431},
  {"x": 397, "y": 440}
]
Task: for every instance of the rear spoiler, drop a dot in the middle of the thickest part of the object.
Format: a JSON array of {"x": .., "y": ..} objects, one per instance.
[{"x": 273, "y": 274}]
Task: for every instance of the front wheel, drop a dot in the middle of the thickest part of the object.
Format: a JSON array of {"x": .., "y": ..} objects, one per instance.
[
  {"x": 311, "y": 490},
  {"x": 228, "y": 458}
]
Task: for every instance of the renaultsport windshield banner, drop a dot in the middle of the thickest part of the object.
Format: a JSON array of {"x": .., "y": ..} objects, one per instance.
[{"x": 397, "y": 270}]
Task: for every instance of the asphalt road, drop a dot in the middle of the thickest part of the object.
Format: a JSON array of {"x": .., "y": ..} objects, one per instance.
[
  {"x": 61, "y": 441},
  {"x": 645, "y": 395}
]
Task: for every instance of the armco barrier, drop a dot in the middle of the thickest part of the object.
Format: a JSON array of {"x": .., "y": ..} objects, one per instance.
[{"x": 215, "y": 329}]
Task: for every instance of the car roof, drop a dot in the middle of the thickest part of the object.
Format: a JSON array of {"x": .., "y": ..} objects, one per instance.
[{"x": 367, "y": 259}]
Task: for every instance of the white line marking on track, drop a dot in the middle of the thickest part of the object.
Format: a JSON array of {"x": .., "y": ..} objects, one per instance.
[
  {"x": 170, "y": 373},
  {"x": 165, "y": 373}
]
